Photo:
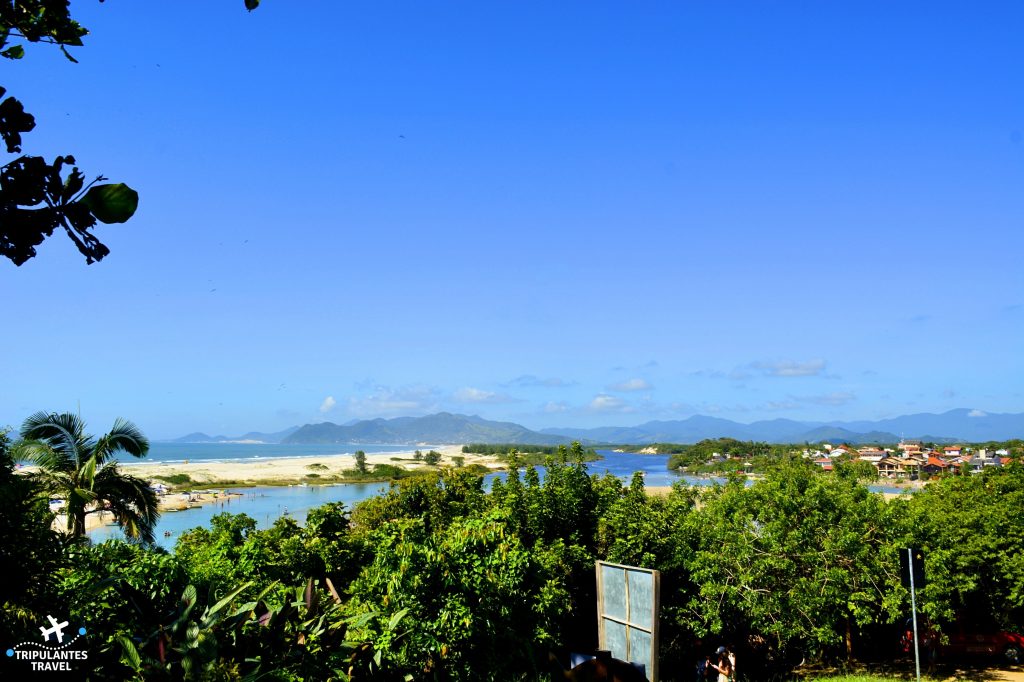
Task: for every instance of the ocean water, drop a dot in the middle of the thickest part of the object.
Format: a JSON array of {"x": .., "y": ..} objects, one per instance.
[{"x": 237, "y": 452}]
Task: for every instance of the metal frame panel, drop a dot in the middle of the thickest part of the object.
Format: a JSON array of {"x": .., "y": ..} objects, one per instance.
[{"x": 645, "y": 620}]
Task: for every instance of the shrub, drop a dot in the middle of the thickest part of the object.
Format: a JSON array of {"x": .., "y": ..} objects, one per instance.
[{"x": 175, "y": 479}]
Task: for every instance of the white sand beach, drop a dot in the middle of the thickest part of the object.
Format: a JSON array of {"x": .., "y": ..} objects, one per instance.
[
  {"x": 211, "y": 482},
  {"x": 275, "y": 470}
]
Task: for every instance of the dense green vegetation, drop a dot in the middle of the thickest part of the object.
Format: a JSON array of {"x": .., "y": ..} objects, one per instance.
[
  {"x": 1015, "y": 446},
  {"x": 176, "y": 479},
  {"x": 441, "y": 579},
  {"x": 379, "y": 472},
  {"x": 753, "y": 457},
  {"x": 520, "y": 454}
]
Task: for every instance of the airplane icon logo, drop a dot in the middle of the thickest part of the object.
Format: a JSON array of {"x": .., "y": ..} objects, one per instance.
[{"x": 54, "y": 629}]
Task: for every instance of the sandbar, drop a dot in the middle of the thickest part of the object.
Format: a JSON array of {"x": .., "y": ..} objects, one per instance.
[
  {"x": 211, "y": 481},
  {"x": 283, "y": 470}
]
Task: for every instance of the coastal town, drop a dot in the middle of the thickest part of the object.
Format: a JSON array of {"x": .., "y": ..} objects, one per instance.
[{"x": 912, "y": 460}]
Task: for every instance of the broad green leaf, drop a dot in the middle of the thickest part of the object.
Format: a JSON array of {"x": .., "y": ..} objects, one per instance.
[
  {"x": 395, "y": 619},
  {"x": 188, "y": 597},
  {"x": 228, "y": 599},
  {"x": 14, "y": 52},
  {"x": 112, "y": 203},
  {"x": 129, "y": 654}
]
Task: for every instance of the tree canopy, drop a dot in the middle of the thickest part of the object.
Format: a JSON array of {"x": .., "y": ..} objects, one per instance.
[
  {"x": 38, "y": 196},
  {"x": 439, "y": 579},
  {"x": 82, "y": 470}
]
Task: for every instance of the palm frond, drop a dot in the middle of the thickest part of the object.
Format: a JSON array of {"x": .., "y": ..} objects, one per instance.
[
  {"x": 82, "y": 496},
  {"x": 52, "y": 483},
  {"x": 133, "y": 503},
  {"x": 80, "y": 469},
  {"x": 41, "y": 454},
  {"x": 123, "y": 437},
  {"x": 63, "y": 432}
]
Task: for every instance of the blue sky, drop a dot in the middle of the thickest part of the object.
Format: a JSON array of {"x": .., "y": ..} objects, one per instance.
[{"x": 553, "y": 213}]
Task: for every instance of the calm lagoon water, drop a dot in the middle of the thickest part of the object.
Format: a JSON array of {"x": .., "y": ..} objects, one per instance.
[{"x": 266, "y": 504}]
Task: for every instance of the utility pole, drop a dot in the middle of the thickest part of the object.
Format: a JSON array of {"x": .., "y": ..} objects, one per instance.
[
  {"x": 913, "y": 610},
  {"x": 913, "y": 579}
]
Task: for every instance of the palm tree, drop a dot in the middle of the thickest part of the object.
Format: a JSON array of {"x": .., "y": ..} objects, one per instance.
[{"x": 81, "y": 469}]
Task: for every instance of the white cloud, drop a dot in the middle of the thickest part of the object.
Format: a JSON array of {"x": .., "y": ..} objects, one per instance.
[
  {"x": 790, "y": 368},
  {"x": 384, "y": 401},
  {"x": 555, "y": 408},
  {"x": 529, "y": 381},
  {"x": 708, "y": 373},
  {"x": 631, "y": 385},
  {"x": 780, "y": 405},
  {"x": 476, "y": 395},
  {"x": 977, "y": 413},
  {"x": 328, "y": 404},
  {"x": 608, "y": 403},
  {"x": 833, "y": 399}
]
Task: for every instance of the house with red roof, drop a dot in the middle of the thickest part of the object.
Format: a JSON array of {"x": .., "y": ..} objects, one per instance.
[{"x": 935, "y": 466}]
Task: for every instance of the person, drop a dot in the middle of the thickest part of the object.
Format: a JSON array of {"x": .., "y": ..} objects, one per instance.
[
  {"x": 722, "y": 665},
  {"x": 907, "y": 637},
  {"x": 732, "y": 662},
  {"x": 930, "y": 648},
  {"x": 704, "y": 669}
]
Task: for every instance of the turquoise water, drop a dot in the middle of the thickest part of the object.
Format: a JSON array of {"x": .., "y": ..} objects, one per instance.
[
  {"x": 265, "y": 504},
  {"x": 237, "y": 452}
]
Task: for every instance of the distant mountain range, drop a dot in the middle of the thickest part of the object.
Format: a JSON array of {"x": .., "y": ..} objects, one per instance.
[
  {"x": 955, "y": 425},
  {"x": 252, "y": 436},
  {"x": 442, "y": 427},
  {"x": 961, "y": 425}
]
